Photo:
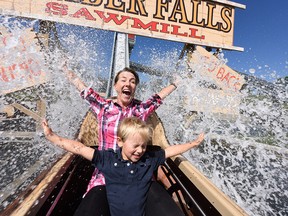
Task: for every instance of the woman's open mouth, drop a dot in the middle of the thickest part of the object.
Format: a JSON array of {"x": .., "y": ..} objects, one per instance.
[{"x": 127, "y": 92}]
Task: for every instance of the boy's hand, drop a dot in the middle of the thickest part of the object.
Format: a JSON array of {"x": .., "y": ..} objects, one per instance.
[{"x": 47, "y": 130}]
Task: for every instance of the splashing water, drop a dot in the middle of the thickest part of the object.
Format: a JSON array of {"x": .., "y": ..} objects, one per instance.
[
  {"x": 24, "y": 151},
  {"x": 245, "y": 155}
]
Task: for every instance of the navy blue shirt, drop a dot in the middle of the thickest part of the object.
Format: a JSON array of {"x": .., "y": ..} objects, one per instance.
[{"x": 127, "y": 183}]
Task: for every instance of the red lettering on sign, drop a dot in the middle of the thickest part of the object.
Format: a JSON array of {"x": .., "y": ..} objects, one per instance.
[
  {"x": 62, "y": 9},
  {"x": 56, "y": 8},
  {"x": 11, "y": 70},
  {"x": 220, "y": 73},
  {"x": 139, "y": 24},
  {"x": 193, "y": 34},
  {"x": 237, "y": 85},
  {"x": 8, "y": 74},
  {"x": 212, "y": 64},
  {"x": 164, "y": 27},
  {"x": 111, "y": 16},
  {"x": 176, "y": 31},
  {"x": 226, "y": 76},
  {"x": 83, "y": 12},
  {"x": 3, "y": 75}
]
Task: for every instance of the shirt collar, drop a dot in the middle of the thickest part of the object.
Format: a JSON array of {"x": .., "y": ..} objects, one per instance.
[
  {"x": 143, "y": 159},
  {"x": 118, "y": 154},
  {"x": 132, "y": 103}
]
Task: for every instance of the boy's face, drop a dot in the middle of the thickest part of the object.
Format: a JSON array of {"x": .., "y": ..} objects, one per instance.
[{"x": 133, "y": 148}]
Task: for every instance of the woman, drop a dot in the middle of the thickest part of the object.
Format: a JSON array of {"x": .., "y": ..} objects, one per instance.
[{"x": 109, "y": 113}]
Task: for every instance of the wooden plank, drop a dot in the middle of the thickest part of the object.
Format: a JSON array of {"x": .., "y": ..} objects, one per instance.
[
  {"x": 88, "y": 134},
  {"x": 213, "y": 101},
  {"x": 44, "y": 188},
  {"x": 13, "y": 134},
  {"x": 234, "y": 4},
  {"x": 220, "y": 200},
  {"x": 23, "y": 109},
  {"x": 41, "y": 112},
  {"x": 209, "y": 23},
  {"x": 208, "y": 65},
  {"x": 8, "y": 110}
]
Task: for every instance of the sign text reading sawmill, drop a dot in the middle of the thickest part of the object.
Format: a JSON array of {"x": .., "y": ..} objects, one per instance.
[
  {"x": 202, "y": 22},
  {"x": 183, "y": 19}
]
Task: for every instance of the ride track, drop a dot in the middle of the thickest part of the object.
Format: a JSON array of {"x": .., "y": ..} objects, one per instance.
[{"x": 193, "y": 192}]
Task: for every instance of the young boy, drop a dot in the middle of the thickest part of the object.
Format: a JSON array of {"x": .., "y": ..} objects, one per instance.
[{"x": 128, "y": 171}]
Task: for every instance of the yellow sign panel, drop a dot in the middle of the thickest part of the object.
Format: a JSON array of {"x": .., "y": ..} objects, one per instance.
[
  {"x": 21, "y": 63},
  {"x": 209, "y": 23}
]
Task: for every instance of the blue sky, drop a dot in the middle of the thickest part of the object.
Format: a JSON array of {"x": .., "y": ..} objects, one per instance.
[{"x": 261, "y": 29}]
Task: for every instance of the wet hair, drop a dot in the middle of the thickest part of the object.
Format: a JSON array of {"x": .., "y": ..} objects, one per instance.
[
  {"x": 126, "y": 69},
  {"x": 133, "y": 125}
]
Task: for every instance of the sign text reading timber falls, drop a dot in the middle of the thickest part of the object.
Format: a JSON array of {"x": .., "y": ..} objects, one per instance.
[{"x": 209, "y": 23}]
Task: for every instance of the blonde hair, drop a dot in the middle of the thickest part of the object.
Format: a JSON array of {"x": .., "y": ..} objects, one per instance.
[{"x": 132, "y": 125}]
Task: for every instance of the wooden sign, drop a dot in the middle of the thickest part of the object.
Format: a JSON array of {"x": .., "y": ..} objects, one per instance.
[
  {"x": 227, "y": 99},
  {"x": 208, "y": 65},
  {"x": 209, "y": 23},
  {"x": 214, "y": 101},
  {"x": 21, "y": 63}
]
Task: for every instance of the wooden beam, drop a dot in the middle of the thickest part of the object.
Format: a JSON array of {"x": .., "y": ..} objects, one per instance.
[
  {"x": 35, "y": 199},
  {"x": 23, "y": 109},
  {"x": 41, "y": 112},
  {"x": 8, "y": 109},
  {"x": 17, "y": 134}
]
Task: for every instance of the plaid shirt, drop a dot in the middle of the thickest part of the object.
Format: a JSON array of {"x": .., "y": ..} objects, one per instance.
[{"x": 109, "y": 114}]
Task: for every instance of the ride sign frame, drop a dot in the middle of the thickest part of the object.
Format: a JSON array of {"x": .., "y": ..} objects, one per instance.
[{"x": 206, "y": 22}]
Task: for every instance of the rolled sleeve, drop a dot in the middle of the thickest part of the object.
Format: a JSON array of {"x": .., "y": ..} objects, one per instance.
[
  {"x": 146, "y": 108},
  {"x": 94, "y": 99}
]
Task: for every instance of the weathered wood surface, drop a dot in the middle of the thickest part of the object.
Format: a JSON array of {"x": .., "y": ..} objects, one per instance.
[
  {"x": 224, "y": 100},
  {"x": 209, "y": 65},
  {"x": 209, "y": 23},
  {"x": 33, "y": 201}
]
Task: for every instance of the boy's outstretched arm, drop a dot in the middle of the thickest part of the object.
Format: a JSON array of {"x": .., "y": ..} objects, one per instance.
[
  {"x": 181, "y": 148},
  {"x": 72, "y": 146}
]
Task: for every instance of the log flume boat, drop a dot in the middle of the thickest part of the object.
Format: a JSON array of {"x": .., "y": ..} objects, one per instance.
[{"x": 59, "y": 190}]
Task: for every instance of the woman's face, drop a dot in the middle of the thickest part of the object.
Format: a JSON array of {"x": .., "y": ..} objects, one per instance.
[{"x": 125, "y": 88}]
